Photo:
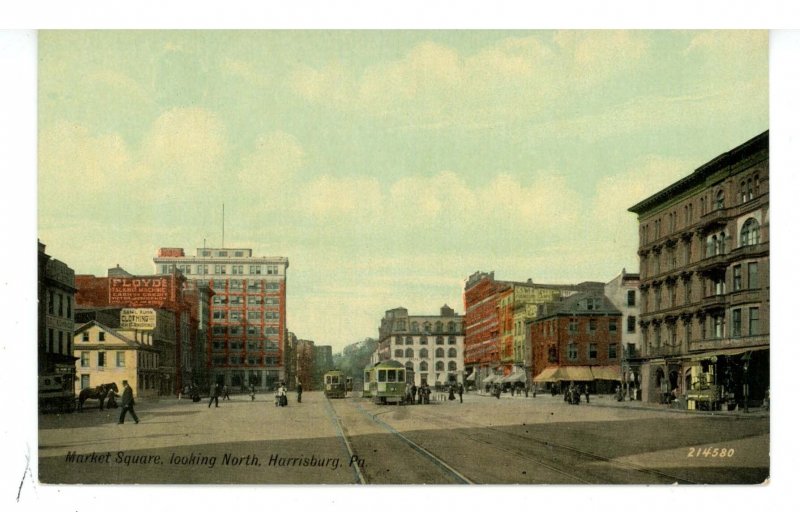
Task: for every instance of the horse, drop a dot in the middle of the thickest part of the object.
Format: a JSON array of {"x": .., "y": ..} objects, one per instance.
[{"x": 98, "y": 393}]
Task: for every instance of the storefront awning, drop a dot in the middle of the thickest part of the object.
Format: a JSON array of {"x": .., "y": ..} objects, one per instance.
[
  {"x": 547, "y": 375},
  {"x": 606, "y": 373},
  {"x": 514, "y": 377},
  {"x": 470, "y": 377},
  {"x": 578, "y": 373},
  {"x": 490, "y": 378}
]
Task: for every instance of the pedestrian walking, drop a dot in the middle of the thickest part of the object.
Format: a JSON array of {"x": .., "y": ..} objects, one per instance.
[
  {"x": 451, "y": 393},
  {"x": 284, "y": 401},
  {"x": 127, "y": 403},
  {"x": 413, "y": 393},
  {"x": 252, "y": 393},
  {"x": 586, "y": 392},
  {"x": 225, "y": 392},
  {"x": 214, "y": 396},
  {"x": 461, "y": 393},
  {"x": 299, "y": 392}
]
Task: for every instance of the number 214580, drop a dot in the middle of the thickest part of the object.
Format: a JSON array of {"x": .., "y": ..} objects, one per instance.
[{"x": 710, "y": 452}]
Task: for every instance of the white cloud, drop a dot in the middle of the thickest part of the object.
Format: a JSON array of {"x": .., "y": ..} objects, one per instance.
[
  {"x": 353, "y": 197},
  {"x": 185, "y": 146},
  {"x": 69, "y": 150},
  {"x": 270, "y": 169}
]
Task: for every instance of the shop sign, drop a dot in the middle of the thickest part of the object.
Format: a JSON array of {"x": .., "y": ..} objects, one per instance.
[{"x": 143, "y": 319}]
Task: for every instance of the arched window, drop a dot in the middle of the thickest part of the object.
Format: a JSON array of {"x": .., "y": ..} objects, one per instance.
[
  {"x": 409, "y": 353},
  {"x": 423, "y": 366},
  {"x": 452, "y": 352},
  {"x": 414, "y": 327},
  {"x": 451, "y": 340},
  {"x": 409, "y": 340},
  {"x": 720, "y": 202},
  {"x": 423, "y": 353},
  {"x": 438, "y": 326},
  {"x": 398, "y": 352},
  {"x": 451, "y": 327},
  {"x": 410, "y": 366},
  {"x": 750, "y": 233},
  {"x": 439, "y": 366},
  {"x": 423, "y": 340},
  {"x": 439, "y": 352},
  {"x": 440, "y": 340},
  {"x": 451, "y": 366},
  {"x": 756, "y": 184}
]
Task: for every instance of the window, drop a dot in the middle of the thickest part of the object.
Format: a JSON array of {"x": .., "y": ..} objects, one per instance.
[
  {"x": 451, "y": 340},
  {"x": 120, "y": 359},
  {"x": 720, "y": 201},
  {"x": 101, "y": 336},
  {"x": 573, "y": 325},
  {"x": 409, "y": 340},
  {"x": 439, "y": 352},
  {"x": 440, "y": 340},
  {"x": 423, "y": 353},
  {"x": 423, "y": 340},
  {"x": 753, "y": 322},
  {"x": 234, "y": 284},
  {"x": 398, "y": 340},
  {"x": 439, "y": 366},
  {"x": 237, "y": 269},
  {"x": 737, "y": 322},
  {"x": 632, "y": 323},
  {"x": 101, "y": 359},
  {"x": 414, "y": 327},
  {"x": 255, "y": 269},
  {"x": 409, "y": 352},
  {"x": 398, "y": 352},
  {"x": 612, "y": 350},
  {"x": 219, "y": 269},
  {"x": 222, "y": 253},
  {"x": 572, "y": 351},
  {"x": 737, "y": 278},
  {"x": 749, "y": 234},
  {"x": 612, "y": 325},
  {"x": 51, "y": 302},
  {"x": 452, "y": 366},
  {"x": 451, "y": 327},
  {"x": 85, "y": 336},
  {"x": 452, "y": 352},
  {"x": 423, "y": 366},
  {"x": 84, "y": 381},
  {"x": 631, "y": 297},
  {"x": 752, "y": 275},
  {"x": 552, "y": 355},
  {"x": 719, "y": 326},
  {"x": 238, "y": 254},
  {"x": 592, "y": 324},
  {"x": 592, "y": 350},
  {"x": 84, "y": 359}
]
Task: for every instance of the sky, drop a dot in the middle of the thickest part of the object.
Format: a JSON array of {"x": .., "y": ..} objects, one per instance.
[{"x": 387, "y": 166}]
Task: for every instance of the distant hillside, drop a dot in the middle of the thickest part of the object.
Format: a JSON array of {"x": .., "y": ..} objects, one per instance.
[{"x": 355, "y": 357}]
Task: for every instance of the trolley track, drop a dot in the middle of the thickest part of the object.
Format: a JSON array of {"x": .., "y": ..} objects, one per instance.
[
  {"x": 435, "y": 465},
  {"x": 581, "y": 456}
]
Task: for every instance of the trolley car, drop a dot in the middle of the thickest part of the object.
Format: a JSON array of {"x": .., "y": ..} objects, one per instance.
[
  {"x": 369, "y": 376},
  {"x": 335, "y": 384},
  {"x": 56, "y": 392},
  {"x": 387, "y": 383}
]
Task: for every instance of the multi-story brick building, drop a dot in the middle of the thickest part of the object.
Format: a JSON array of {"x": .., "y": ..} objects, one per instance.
[
  {"x": 56, "y": 322},
  {"x": 623, "y": 292},
  {"x": 304, "y": 355},
  {"x": 248, "y": 311},
  {"x": 495, "y": 341},
  {"x": 577, "y": 340},
  {"x": 164, "y": 294},
  {"x": 430, "y": 345},
  {"x": 704, "y": 269}
]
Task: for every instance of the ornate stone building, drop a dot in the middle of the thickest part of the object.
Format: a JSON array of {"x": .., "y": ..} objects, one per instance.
[{"x": 704, "y": 270}]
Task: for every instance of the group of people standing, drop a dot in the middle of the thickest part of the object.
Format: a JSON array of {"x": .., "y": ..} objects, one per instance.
[
  {"x": 422, "y": 394},
  {"x": 573, "y": 392}
]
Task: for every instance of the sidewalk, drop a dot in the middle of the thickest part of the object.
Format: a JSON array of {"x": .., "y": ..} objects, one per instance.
[{"x": 610, "y": 401}]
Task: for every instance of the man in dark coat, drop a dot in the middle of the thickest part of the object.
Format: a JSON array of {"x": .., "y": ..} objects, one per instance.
[
  {"x": 461, "y": 393},
  {"x": 299, "y": 393},
  {"x": 214, "y": 395},
  {"x": 127, "y": 403}
]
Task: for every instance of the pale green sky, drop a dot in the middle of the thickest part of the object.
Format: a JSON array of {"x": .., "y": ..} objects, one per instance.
[{"x": 386, "y": 165}]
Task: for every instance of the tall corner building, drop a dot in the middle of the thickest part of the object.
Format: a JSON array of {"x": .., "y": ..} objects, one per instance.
[
  {"x": 704, "y": 272},
  {"x": 248, "y": 312}
]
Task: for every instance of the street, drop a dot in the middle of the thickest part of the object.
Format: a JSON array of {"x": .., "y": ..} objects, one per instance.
[{"x": 345, "y": 441}]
